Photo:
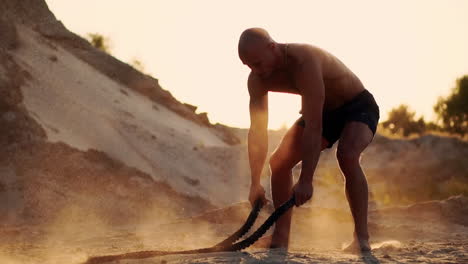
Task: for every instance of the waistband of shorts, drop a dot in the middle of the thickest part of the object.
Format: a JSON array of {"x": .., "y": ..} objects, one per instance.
[{"x": 364, "y": 94}]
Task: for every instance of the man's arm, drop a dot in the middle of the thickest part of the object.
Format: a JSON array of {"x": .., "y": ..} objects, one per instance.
[
  {"x": 310, "y": 82},
  {"x": 258, "y": 132}
]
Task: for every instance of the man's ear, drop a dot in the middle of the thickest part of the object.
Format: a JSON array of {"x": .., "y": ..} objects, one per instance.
[{"x": 271, "y": 45}]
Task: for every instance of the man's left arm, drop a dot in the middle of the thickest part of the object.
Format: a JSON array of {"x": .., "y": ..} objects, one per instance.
[{"x": 310, "y": 82}]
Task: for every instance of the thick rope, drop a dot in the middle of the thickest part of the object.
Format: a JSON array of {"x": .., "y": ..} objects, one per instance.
[
  {"x": 244, "y": 228},
  {"x": 225, "y": 245}
]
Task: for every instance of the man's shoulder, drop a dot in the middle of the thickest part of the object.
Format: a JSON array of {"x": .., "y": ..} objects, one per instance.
[
  {"x": 307, "y": 52},
  {"x": 254, "y": 80}
]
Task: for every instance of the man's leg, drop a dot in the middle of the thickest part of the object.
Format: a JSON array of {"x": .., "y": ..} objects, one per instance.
[
  {"x": 356, "y": 136},
  {"x": 282, "y": 161}
]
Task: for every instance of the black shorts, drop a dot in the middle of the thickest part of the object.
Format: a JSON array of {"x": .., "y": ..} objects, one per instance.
[{"x": 361, "y": 108}]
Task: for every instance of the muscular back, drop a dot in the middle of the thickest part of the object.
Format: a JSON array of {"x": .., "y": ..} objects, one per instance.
[{"x": 340, "y": 83}]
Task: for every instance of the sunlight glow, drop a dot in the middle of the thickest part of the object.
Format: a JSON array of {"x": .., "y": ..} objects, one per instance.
[{"x": 407, "y": 52}]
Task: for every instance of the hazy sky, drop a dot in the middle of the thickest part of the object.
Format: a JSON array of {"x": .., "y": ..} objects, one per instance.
[{"x": 403, "y": 51}]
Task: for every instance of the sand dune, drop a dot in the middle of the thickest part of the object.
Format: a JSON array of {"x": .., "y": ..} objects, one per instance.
[{"x": 110, "y": 117}]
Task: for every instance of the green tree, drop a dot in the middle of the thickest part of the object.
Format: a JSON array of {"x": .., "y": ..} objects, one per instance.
[
  {"x": 401, "y": 121},
  {"x": 452, "y": 110},
  {"x": 99, "y": 41}
]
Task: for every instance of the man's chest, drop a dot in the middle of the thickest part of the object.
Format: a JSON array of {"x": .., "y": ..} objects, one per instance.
[
  {"x": 335, "y": 88},
  {"x": 282, "y": 82}
]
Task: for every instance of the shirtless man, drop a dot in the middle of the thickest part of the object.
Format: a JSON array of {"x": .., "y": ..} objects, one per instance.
[{"x": 335, "y": 105}]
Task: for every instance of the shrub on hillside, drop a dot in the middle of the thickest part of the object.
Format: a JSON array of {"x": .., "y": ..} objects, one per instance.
[{"x": 452, "y": 110}]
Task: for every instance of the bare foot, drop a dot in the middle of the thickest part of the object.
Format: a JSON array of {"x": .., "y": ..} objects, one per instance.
[
  {"x": 358, "y": 246},
  {"x": 266, "y": 242},
  {"x": 263, "y": 242},
  {"x": 279, "y": 247},
  {"x": 278, "y": 243}
]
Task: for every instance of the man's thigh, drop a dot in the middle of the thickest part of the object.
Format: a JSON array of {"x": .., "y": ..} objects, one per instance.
[
  {"x": 289, "y": 150},
  {"x": 355, "y": 137}
]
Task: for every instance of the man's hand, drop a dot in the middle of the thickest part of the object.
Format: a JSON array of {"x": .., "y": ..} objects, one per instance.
[
  {"x": 257, "y": 192},
  {"x": 302, "y": 192}
]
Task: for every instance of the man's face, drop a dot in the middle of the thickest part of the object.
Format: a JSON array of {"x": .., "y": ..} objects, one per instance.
[{"x": 260, "y": 59}]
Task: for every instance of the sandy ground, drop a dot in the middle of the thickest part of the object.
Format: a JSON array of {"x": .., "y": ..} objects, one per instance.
[
  {"x": 74, "y": 250},
  {"x": 453, "y": 251},
  {"x": 318, "y": 236}
]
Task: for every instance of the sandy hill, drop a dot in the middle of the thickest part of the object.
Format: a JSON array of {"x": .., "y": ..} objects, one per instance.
[{"x": 78, "y": 127}]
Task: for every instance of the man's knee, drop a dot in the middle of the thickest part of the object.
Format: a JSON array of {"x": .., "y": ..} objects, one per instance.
[
  {"x": 347, "y": 156},
  {"x": 275, "y": 162},
  {"x": 278, "y": 163}
]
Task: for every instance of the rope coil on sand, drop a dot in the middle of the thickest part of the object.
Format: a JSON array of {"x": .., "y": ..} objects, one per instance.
[{"x": 226, "y": 245}]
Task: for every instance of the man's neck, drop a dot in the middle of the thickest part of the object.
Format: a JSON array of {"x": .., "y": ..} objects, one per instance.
[{"x": 283, "y": 60}]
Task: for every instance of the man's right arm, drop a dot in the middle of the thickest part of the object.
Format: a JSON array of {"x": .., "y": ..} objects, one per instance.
[{"x": 258, "y": 132}]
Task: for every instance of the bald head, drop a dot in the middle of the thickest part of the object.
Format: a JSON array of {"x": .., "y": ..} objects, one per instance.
[
  {"x": 259, "y": 51},
  {"x": 253, "y": 38}
]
